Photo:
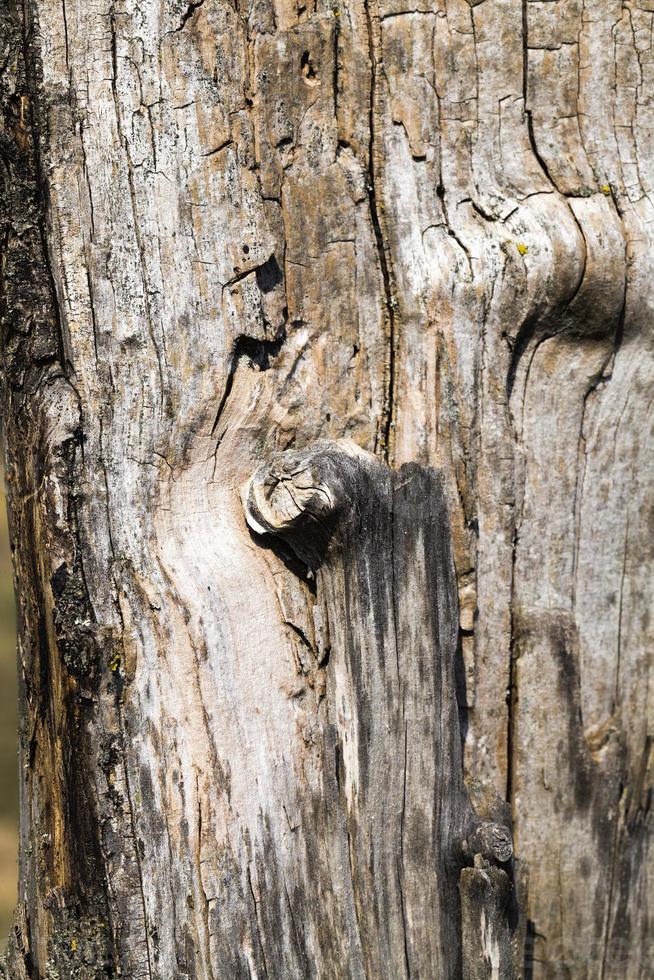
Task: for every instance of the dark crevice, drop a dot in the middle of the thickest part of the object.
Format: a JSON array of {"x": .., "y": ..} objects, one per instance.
[
  {"x": 269, "y": 275},
  {"x": 382, "y": 252},
  {"x": 217, "y": 149},
  {"x": 534, "y": 147},
  {"x": 525, "y": 86},
  {"x": 526, "y": 334},
  {"x": 189, "y": 12},
  {"x": 478, "y": 209},
  {"x": 258, "y": 352},
  {"x": 260, "y": 931},
  {"x": 335, "y": 69},
  {"x": 41, "y": 196},
  {"x": 461, "y": 689},
  {"x": 307, "y": 68},
  {"x": 301, "y": 635},
  {"x": 288, "y": 558},
  {"x": 450, "y": 231},
  {"x": 584, "y": 264},
  {"x": 512, "y": 693}
]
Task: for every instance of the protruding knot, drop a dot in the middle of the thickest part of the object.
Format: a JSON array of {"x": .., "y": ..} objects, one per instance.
[
  {"x": 283, "y": 492},
  {"x": 493, "y": 841},
  {"x": 297, "y": 492}
]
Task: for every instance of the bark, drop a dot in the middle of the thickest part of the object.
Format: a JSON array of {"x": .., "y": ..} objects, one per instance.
[{"x": 231, "y": 232}]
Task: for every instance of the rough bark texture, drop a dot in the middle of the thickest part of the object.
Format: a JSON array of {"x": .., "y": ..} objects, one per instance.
[{"x": 233, "y": 228}]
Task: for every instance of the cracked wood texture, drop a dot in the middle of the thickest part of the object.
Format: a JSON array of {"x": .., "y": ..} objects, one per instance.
[
  {"x": 234, "y": 227},
  {"x": 393, "y": 811}
]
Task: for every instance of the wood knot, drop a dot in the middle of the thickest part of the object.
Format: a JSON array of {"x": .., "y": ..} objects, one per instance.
[
  {"x": 298, "y": 495},
  {"x": 284, "y": 492},
  {"x": 493, "y": 841}
]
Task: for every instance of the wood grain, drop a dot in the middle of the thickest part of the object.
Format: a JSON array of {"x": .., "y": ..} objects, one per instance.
[{"x": 232, "y": 230}]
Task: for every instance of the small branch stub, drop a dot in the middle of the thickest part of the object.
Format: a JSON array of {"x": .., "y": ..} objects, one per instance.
[
  {"x": 297, "y": 496},
  {"x": 493, "y": 841}
]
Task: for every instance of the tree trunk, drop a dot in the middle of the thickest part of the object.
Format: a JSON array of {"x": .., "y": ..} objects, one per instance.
[{"x": 331, "y": 271}]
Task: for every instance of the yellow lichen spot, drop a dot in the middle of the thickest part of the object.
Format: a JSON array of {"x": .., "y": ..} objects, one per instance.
[
  {"x": 337, "y": 13},
  {"x": 605, "y": 189},
  {"x": 73, "y": 945},
  {"x": 522, "y": 248},
  {"x": 114, "y": 663}
]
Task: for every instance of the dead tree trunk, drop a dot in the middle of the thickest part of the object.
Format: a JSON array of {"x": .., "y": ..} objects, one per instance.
[
  {"x": 240, "y": 240},
  {"x": 396, "y": 827}
]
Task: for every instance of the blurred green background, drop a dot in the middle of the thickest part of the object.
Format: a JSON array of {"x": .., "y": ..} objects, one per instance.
[{"x": 8, "y": 742}]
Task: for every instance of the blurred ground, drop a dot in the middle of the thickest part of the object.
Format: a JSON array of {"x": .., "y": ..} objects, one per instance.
[{"x": 8, "y": 721}]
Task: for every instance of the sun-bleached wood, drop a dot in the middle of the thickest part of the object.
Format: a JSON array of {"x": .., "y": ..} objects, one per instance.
[{"x": 234, "y": 228}]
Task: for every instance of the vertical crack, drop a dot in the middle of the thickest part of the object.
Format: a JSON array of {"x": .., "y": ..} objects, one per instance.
[
  {"x": 525, "y": 86},
  {"x": 390, "y": 302},
  {"x": 512, "y": 693},
  {"x": 260, "y": 930}
]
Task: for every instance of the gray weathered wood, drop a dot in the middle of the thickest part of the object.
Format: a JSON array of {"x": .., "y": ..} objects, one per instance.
[
  {"x": 233, "y": 229},
  {"x": 378, "y": 543}
]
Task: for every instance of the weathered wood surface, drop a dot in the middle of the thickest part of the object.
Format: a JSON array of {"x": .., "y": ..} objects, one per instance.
[
  {"x": 394, "y": 808},
  {"x": 426, "y": 227}
]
